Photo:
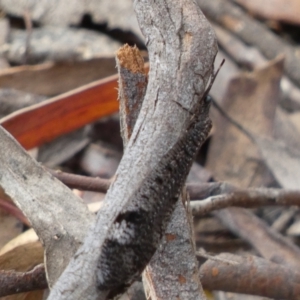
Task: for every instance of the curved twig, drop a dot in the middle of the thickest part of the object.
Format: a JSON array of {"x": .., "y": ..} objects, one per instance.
[{"x": 171, "y": 126}]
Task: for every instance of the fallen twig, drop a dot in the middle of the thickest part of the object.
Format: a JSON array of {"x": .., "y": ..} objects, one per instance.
[
  {"x": 247, "y": 198},
  {"x": 12, "y": 282},
  {"x": 85, "y": 183},
  {"x": 171, "y": 126},
  {"x": 250, "y": 275},
  {"x": 213, "y": 196},
  {"x": 225, "y": 272}
]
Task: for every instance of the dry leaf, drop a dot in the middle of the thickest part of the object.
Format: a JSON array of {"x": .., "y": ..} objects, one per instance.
[
  {"x": 251, "y": 100},
  {"x": 35, "y": 295},
  {"x": 22, "y": 258},
  {"x": 284, "y": 162},
  {"x": 43, "y": 122},
  {"x": 51, "y": 78},
  {"x": 29, "y": 236}
]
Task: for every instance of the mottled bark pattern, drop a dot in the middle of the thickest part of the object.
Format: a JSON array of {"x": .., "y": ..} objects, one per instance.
[
  {"x": 138, "y": 229},
  {"x": 165, "y": 138}
]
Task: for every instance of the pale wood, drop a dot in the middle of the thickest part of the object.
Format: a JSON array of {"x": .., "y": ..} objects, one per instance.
[{"x": 52, "y": 209}]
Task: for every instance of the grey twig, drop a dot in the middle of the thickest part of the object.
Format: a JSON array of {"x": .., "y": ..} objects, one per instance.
[
  {"x": 161, "y": 275},
  {"x": 172, "y": 124},
  {"x": 12, "y": 282},
  {"x": 252, "y": 197},
  {"x": 250, "y": 275}
]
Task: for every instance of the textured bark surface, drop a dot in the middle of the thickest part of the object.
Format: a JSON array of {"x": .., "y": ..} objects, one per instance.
[
  {"x": 167, "y": 276},
  {"x": 182, "y": 48},
  {"x": 173, "y": 270},
  {"x": 250, "y": 275},
  {"x": 52, "y": 208}
]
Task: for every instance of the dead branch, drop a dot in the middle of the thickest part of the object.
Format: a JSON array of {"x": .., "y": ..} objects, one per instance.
[
  {"x": 12, "y": 282},
  {"x": 161, "y": 279},
  {"x": 82, "y": 182},
  {"x": 225, "y": 272},
  {"x": 246, "y": 198},
  {"x": 250, "y": 275},
  {"x": 45, "y": 202},
  {"x": 213, "y": 196},
  {"x": 181, "y": 48},
  {"x": 101, "y": 185},
  {"x": 206, "y": 197}
]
